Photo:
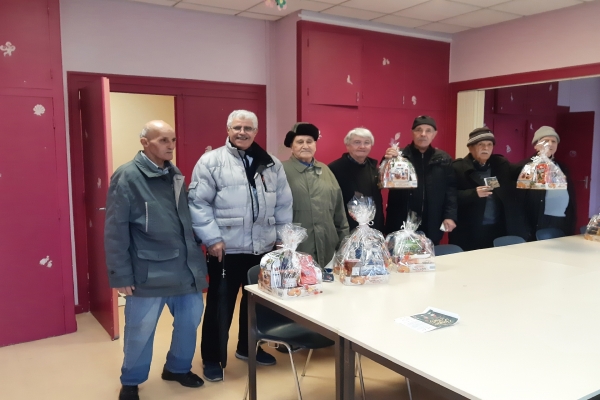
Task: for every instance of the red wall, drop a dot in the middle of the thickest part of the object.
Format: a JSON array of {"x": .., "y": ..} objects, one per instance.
[
  {"x": 36, "y": 288},
  {"x": 349, "y": 77}
]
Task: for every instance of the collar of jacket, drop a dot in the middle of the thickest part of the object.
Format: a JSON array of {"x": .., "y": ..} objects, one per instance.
[
  {"x": 259, "y": 156},
  {"x": 143, "y": 166},
  {"x": 298, "y": 166},
  {"x": 436, "y": 156},
  {"x": 368, "y": 160}
]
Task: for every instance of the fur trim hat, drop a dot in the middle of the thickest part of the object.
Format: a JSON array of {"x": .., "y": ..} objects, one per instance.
[{"x": 301, "y": 129}]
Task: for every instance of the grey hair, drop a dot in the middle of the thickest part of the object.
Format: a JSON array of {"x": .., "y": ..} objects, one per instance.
[
  {"x": 242, "y": 114},
  {"x": 361, "y": 132},
  {"x": 144, "y": 132}
]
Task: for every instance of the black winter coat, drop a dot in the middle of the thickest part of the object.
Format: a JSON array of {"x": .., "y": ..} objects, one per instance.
[
  {"x": 534, "y": 202},
  {"x": 440, "y": 195},
  {"x": 346, "y": 171},
  {"x": 471, "y": 207}
]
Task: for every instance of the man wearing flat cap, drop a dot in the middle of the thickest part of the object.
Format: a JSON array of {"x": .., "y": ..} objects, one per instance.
[
  {"x": 434, "y": 199},
  {"x": 318, "y": 202},
  {"x": 486, "y": 196}
]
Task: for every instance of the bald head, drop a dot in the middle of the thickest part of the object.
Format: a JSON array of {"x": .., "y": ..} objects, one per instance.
[
  {"x": 155, "y": 127},
  {"x": 158, "y": 139}
]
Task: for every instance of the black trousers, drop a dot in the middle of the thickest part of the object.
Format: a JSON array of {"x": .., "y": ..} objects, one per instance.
[{"x": 236, "y": 266}]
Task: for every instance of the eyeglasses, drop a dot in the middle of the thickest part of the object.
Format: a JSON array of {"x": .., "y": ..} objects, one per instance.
[{"x": 246, "y": 129}]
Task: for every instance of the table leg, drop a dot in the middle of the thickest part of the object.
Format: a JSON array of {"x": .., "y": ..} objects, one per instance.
[
  {"x": 349, "y": 370},
  {"x": 344, "y": 370},
  {"x": 252, "y": 346}
]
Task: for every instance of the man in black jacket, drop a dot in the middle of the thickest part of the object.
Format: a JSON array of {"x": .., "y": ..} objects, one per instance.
[
  {"x": 548, "y": 208},
  {"x": 356, "y": 172},
  {"x": 434, "y": 199},
  {"x": 485, "y": 211}
]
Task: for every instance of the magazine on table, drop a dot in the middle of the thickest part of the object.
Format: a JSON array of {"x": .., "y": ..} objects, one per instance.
[{"x": 429, "y": 320}]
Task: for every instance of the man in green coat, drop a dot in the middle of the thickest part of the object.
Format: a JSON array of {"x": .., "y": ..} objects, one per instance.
[{"x": 318, "y": 202}]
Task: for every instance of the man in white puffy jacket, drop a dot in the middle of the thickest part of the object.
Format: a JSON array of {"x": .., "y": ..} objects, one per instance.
[{"x": 239, "y": 198}]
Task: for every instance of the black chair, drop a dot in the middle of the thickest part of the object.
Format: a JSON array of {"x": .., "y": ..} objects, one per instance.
[
  {"x": 508, "y": 240},
  {"x": 549, "y": 233},
  {"x": 276, "y": 328},
  {"x": 443, "y": 249},
  {"x": 583, "y": 229}
]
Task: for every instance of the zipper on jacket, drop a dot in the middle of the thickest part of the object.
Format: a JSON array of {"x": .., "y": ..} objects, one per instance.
[
  {"x": 146, "y": 204},
  {"x": 424, "y": 171}
]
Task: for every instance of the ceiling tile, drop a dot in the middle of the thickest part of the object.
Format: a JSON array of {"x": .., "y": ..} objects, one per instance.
[
  {"x": 436, "y": 10},
  {"x": 292, "y": 6},
  {"x": 230, "y": 4},
  {"x": 352, "y": 13},
  {"x": 259, "y": 16},
  {"x": 197, "y": 7},
  {"x": 383, "y": 6},
  {"x": 441, "y": 27},
  {"x": 530, "y": 7},
  {"x": 400, "y": 21},
  {"x": 481, "y": 3},
  {"x": 480, "y": 18},
  {"x": 168, "y": 3}
]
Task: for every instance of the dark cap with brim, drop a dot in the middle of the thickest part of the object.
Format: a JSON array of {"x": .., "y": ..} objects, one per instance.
[{"x": 301, "y": 129}]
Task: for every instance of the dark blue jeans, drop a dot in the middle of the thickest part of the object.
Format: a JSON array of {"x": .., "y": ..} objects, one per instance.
[{"x": 141, "y": 317}]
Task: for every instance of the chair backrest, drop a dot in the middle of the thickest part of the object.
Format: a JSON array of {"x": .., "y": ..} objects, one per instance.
[
  {"x": 266, "y": 318},
  {"x": 583, "y": 229},
  {"x": 549, "y": 233},
  {"x": 508, "y": 240},
  {"x": 443, "y": 249}
]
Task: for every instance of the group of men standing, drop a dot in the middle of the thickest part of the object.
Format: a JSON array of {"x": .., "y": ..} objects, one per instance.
[{"x": 238, "y": 199}]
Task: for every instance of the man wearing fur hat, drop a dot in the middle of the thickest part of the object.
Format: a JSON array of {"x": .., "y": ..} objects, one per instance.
[
  {"x": 434, "y": 199},
  {"x": 318, "y": 201},
  {"x": 548, "y": 208},
  {"x": 239, "y": 198},
  {"x": 486, "y": 196}
]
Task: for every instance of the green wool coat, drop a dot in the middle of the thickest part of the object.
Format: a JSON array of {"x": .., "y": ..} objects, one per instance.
[{"x": 318, "y": 207}]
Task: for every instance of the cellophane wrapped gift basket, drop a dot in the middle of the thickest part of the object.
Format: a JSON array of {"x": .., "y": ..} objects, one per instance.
[
  {"x": 592, "y": 232},
  {"x": 363, "y": 258},
  {"x": 411, "y": 250},
  {"x": 287, "y": 273},
  {"x": 541, "y": 172},
  {"x": 397, "y": 172}
]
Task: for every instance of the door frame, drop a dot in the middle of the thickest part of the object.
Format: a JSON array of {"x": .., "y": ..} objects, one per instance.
[{"x": 137, "y": 85}]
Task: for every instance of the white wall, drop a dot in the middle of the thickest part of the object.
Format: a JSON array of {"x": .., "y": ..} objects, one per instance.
[
  {"x": 584, "y": 95},
  {"x": 129, "y": 38},
  {"x": 555, "y": 39}
]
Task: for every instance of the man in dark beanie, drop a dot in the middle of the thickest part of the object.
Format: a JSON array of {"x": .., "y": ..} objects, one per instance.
[
  {"x": 486, "y": 195},
  {"x": 434, "y": 199}
]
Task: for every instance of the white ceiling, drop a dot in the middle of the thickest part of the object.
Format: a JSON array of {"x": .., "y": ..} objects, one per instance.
[{"x": 447, "y": 16}]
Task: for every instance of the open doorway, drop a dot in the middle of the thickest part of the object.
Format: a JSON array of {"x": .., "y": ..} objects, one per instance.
[
  {"x": 198, "y": 111},
  {"x": 129, "y": 113}
]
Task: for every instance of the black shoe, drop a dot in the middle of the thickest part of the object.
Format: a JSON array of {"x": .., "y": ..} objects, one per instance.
[
  {"x": 129, "y": 393},
  {"x": 189, "y": 379},
  {"x": 213, "y": 371},
  {"x": 262, "y": 357}
]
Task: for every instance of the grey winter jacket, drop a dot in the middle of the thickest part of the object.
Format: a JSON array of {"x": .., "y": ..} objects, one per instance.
[
  {"x": 148, "y": 235},
  {"x": 221, "y": 201}
]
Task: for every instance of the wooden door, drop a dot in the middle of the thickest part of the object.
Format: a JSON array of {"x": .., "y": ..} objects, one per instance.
[
  {"x": 383, "y": 71},
  {"x": 26, "y": 49},
  {"x": 511, "y": 100},
  {"x": 542, "y": 98},
  {"x": 32, "y": 286},
  {"x": 510, "y": 137},
  {"x": 576, "y": 132},
  {"x": 204, "y": 121},
  {"x": 95, "y": 122},
  {"x": 333, "y": 68}
]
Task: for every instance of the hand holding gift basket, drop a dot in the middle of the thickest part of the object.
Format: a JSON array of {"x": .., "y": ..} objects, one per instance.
[
  {"x": 411, "y": 251},
  {"x": 363, "y": 258},
  {"x": 287, "y": 273},
  {"x": 397, "y": 172},
  {"x": 541, "y": 172}
]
